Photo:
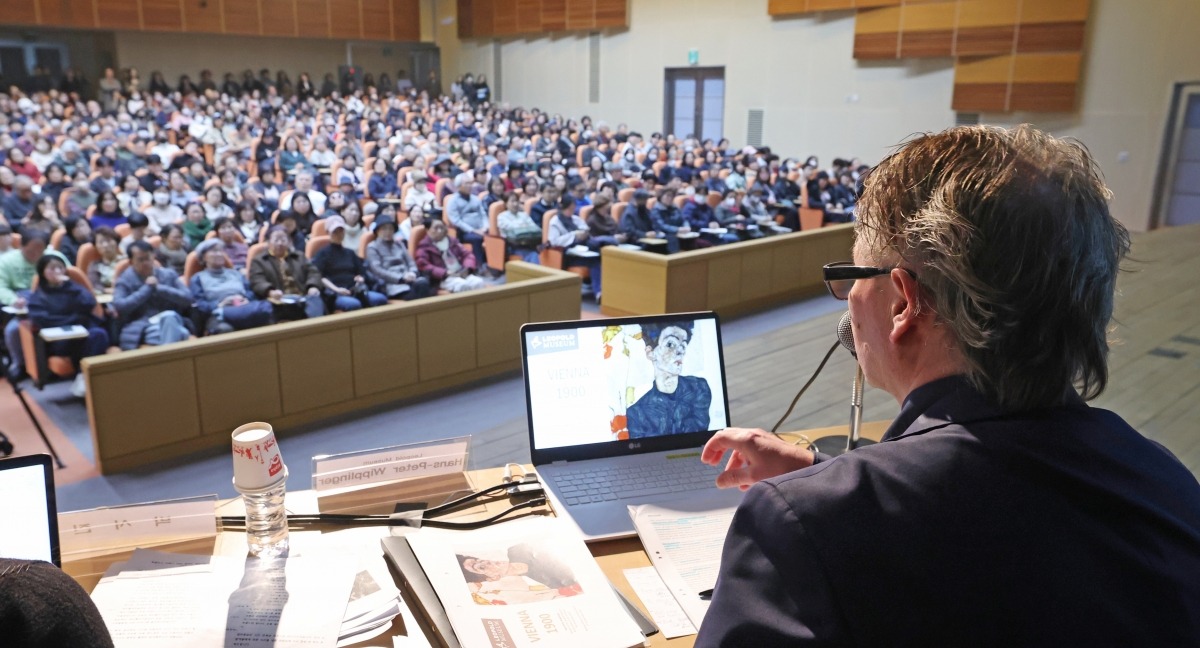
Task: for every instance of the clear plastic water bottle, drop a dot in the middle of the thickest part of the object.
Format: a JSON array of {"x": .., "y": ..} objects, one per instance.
[{"x": 266, "y": 522}]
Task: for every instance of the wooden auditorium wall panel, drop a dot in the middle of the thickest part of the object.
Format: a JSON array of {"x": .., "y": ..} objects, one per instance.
[
  {"x": 581, "y": 14},
  {"x": 278, "y": 17},
  {"x": 162, "y": 15},
  {"x": 381, "y": 20},
  {"x": 312, "y": 18},
  {"x": 242, "y": 17},
  {"x": 496, "y": 18},
  {"x": 203, "y": 16},
  {"x": 344, "y": 18},
  {"x": 504, "y": 18},
  {"x": 376, "y": 19},
  {"x": 21, "y": 12},
  {"x": 117, "y": 14},
  {"x": 406, "y": 20},
  {"x": 978, "y": 34}
]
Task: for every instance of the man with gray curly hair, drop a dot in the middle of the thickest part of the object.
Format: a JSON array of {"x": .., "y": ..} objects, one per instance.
[{"x": 999, "y": 509}]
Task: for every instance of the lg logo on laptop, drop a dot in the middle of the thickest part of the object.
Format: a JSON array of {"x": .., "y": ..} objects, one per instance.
[{"x": 634, "y": 446}]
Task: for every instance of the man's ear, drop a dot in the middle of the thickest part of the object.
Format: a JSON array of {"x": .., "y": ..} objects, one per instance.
[{"x": 905, "y": 309}]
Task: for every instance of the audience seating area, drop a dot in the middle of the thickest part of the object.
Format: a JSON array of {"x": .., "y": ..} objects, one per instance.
[{"x": 176, "y": 169}]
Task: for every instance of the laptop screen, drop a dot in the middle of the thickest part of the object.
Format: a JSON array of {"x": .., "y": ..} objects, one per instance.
[
  {"x": 605, "y": 387},
  {"x": 30, "y": 527}
]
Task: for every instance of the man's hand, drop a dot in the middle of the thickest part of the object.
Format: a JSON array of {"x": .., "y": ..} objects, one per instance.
[
  {"x": 754, "y": 455},
  {"x": 313, "y": 292},
  {"x": 358, "y": 279},
  {"x": 581, "y": 236},
  {"x": 410, "y": 277},
  {"x": 152, "y": 280},
  {"x": 345, "y": 292},
  {"x": 276, "y": 295}
]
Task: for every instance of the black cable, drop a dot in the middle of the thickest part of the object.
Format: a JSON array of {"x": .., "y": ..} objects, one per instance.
[
  {"x": 388, "y": 520},
  {"x": 774, "y": 430}
]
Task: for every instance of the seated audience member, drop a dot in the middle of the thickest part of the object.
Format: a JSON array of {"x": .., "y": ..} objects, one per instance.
[
  {"x": 151, "y": 303},
  {"x": 304, "y": 185},
  {"x": 6, "y": 236},
  {"x": 636, "y": 222},
  {"x": 390, "y": 263},
  {"x": 404, "y": 230},
  {"x": 58, "y": 301},
  {"x": 42, "y": 607},
  {"x": 335, "y": 203},
  {"x": 302, "y": 212},
  {"x": 352, "y": 214},
  {"x": 284, "y": 273},
  {"x": 161, "y": 212},
  {"x": 101, "y": 271},
  {"x": 568, "y": 230},
  {"x": 155, "y": 175},
  {"x": 343, "y": 272},
  {"x": 229, "y": 236},
  {"x": 547, "y": 200},
  {"x": 287, "y": 220},
  {"x": 291, "y": 158},
  {"x": 445, "y": 262},
  {"x": 249, "y": 222},
  {"x": 56, "y": 182},
  {"x": 600, "y": 220},
  {"x": 467, "y": 214},
  {"x": 214, "y": 204},
  {"x": 668, "y": 219},
  {"x": 729, "y": 215},
  {"x": 43, "y": 217},
  {"x": 172, "y": 252},
  {"x": 268, "y": 188},
  {"x": 383, "y": 181},
  {"x": 79, "y": 231},
  {"x": 222, "y": 294},
  {"x": 756, "y": 209},
  {"x": 139, "y": 227},
  {"x": 700, "y": 215},
  {"x": 181, "y": 193},
  {"x": 108, "y": 212},
  {"x": 196, "y": 225},
  {"x": 522, "y": 235},
  {"x": 419, "y": 195},
  {"x": 80, "y": 196},
  {"x": 19, "y": 202},
  {"x": 17, "y": 269},
  {"x": 132, "y": 198}
]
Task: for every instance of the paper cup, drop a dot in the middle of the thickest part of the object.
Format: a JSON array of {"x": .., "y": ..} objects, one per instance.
[{"x": 257, "y": 464}]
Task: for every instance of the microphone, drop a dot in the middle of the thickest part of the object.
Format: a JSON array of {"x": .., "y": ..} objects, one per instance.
[{"x": 845, "y": 334}]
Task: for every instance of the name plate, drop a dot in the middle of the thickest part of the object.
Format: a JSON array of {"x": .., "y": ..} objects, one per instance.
[
  {"x": 429, "y": 459},
  {"x": 100, "y": 531}
]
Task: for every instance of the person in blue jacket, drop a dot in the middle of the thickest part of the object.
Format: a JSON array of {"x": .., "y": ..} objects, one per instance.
[{"x": 58, "y": 301}]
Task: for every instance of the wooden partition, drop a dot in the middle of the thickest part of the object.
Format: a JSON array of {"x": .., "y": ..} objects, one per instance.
[
  {"x": 153, "y": 404},
  {"x": 730, "y": 279}
]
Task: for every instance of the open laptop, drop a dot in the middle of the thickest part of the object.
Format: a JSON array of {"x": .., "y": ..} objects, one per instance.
[
  {"x": 30, "y": 528},
  {"x": 619, "y": 410}
]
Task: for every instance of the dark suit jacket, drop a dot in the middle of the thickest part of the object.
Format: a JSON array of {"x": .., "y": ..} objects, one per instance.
[{"x": 969, "y": 527}]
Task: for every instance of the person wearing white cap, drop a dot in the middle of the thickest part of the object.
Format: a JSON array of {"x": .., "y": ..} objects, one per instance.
[{"x": 343, "y": 273}]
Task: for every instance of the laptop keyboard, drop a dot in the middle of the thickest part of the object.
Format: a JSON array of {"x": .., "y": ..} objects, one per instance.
[{"x": 588, "y": 485}]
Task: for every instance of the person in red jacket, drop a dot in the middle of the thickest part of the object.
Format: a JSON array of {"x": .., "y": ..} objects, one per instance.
[{"x": 447, "y": 264}]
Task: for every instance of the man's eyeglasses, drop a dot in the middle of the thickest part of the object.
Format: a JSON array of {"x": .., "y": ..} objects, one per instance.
[{"x": 840, "y": 276}]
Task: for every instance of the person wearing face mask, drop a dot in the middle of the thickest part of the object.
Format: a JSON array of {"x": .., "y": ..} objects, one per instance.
[
  {"x": 161, "y": 211},
  {"x": 728, "y": 215}
]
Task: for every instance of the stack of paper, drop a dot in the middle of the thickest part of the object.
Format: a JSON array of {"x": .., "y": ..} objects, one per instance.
[
  {"x": 374, "y": 603},
  {"x": 160, "y": 599}
]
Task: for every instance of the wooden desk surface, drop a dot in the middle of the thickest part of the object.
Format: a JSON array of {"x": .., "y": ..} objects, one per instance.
[{"x": 613, "y": 556}]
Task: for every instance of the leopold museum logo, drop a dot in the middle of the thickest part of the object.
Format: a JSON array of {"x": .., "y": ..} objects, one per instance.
[{"x": 552, "y": 341}]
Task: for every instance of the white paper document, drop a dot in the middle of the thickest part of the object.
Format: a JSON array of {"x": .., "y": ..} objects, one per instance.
[
  {"x": 161, "y": 599},
  {"x": 684, "y": 541},
  {"x": 670, "y": 618},
  {"x": 529, "y": 582}
]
